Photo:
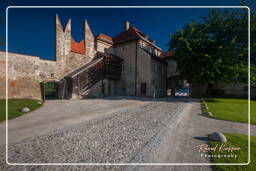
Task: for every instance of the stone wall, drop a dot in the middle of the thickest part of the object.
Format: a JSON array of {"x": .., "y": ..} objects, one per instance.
[
  {"x": 71, "y": 62},
  {"x": 99, "y": 89},
  {"x": 25, "y": 72},
  {"x": 89, "y": 40},
  {"x": 68, "y": 61},
  {"x": 24, "y": 75}
]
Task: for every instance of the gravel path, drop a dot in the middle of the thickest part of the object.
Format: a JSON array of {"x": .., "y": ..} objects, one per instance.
[
  {"x": 58, "y": 114},
  {"x": 113, "y": 139},
  {"x": 167, "y": 131},
  {"x": 189, "y": 133}
]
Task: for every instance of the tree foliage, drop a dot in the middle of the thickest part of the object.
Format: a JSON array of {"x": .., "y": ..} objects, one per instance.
[
  {"x": 215, "y": 48},
  {"x": 1, "y": 40}
]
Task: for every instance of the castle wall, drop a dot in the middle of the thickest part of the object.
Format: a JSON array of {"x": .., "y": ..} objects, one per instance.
[
  {"x": 67, "y": 60},
  {"x": 71, "y": 62},
  {"x": 25, "y": 72},
  {"x": 24, "y": 75},
  {"x": 89, "y": 40}
]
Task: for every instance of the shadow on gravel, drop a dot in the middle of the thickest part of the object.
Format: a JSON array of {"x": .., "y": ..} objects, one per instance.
[
  {"x": 163, "y": 99},
  {"x": 202, "y": 138}
]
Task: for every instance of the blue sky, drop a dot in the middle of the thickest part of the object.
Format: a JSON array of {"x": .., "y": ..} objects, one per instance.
[{"x": 32, "y": 31}]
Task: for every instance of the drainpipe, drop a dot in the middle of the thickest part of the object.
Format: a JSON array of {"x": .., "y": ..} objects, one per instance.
[
  {"x": 135, "y": 76},
  {"x": 166, "y": 79}
]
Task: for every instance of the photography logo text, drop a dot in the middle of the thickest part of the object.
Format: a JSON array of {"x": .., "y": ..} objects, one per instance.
[{"x": 225, "y": 151}]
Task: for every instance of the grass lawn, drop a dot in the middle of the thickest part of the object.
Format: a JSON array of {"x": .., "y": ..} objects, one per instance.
[
  {"x": 14, "y": 106},
  {"x": 231, "y": 109},
  {"x": 241, "y": 141}
]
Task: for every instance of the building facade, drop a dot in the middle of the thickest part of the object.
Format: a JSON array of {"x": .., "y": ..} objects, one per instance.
[{"x": 128, "y": 64}]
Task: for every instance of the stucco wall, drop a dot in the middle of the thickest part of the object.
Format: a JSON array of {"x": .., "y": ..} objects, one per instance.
[
  {"x": 171, "y": 68},
  {"x": 158, "y": 80},
  {"x": 144, "y": 72},
  {"x": 155, "y": 80},
  {"x": 127, "y": 52},
  {"x": 102, "y": 46}
]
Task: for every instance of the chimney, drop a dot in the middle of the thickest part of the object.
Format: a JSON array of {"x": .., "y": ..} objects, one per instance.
[{"x": 126, "y": 25}]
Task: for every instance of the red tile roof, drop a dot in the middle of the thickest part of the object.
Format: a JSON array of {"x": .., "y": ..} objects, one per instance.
[
  {"x": 167, "y": 54},
  {"x": 130, "y": 34},
  {"x": 77, "y": 47},
  {"x": 104, "y": 37}
]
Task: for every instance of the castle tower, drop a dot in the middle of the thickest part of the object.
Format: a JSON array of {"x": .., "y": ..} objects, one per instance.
[
  {"x": 63, "y": 45},
  {"x": 70, "y": 54},
  {"x": 89, "y": 40}
]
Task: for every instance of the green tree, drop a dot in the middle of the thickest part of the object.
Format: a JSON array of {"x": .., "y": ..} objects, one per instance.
[
  {"x": 215, "y": 48},
  {"x": 1, "y": 40}
]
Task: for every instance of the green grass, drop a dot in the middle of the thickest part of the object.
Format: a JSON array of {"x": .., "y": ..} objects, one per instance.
[
  {"x": 231, "y": 109},
  {"x": 241, "y": 141},
  {"x": 14, "y": 106}
]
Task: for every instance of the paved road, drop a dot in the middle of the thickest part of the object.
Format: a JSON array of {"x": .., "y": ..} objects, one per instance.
[
  {"x": 183, "y": 92},
  {"x": 130, "y": 130}
]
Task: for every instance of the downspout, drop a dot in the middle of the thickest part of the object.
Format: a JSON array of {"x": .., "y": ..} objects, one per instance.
[
  {"x": 135, "y": 76},
  {"x": 166, "y": 79}
]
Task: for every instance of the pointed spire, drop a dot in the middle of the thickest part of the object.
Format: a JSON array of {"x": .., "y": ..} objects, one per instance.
[
  {"x": 58, "y": 23},
  {"x": 68, "y": 26},
  {"x": 88, "y": 40},
  {"x": 87, "y": 28}
]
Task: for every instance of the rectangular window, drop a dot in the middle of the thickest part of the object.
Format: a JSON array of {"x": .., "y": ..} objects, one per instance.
[
  {"x": 154, "y": 51},
  {"x": 155, "y": 69},
  {"x": 162, "y": 69},
  {"x": 143, "y": 89}
]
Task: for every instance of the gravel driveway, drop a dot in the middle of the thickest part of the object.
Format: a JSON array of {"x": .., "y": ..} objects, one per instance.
[
  {"x": 58, "y": 114},
  {"x": 123, "y": 136},
  {"x": 159, "y": 131}
]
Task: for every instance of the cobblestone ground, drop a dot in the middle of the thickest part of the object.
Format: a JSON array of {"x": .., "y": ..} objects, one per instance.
[{"x": 114, "y": 139}]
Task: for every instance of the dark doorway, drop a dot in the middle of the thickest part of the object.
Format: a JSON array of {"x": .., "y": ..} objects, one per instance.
[
  {"x": 143, "y": 88},
  {"x": 50, "y": 90}
]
